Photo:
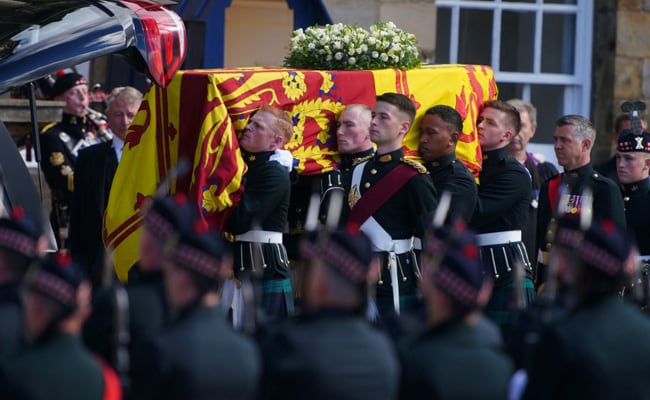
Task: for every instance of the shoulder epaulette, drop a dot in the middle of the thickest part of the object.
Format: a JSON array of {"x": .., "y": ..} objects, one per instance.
[
  {"x": 412, "y": 163},
  {"x": 47, "y": 127}
]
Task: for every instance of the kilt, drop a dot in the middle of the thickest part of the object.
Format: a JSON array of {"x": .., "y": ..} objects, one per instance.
[
  {"x": 501, "y": 262},
  {"x": 277, "y": 298}
]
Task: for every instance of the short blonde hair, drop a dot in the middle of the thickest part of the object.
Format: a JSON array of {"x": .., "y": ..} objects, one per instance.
[{"x": 283, "y": 124}]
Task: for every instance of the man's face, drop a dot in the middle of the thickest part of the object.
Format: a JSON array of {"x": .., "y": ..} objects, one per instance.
[
  {"x": 353, "y": 132},
  {"x": 120, "y": 115},
  {"x": 76, "y": 100},
  {"x": 437, "y": 137},
  {"x": 632, "y": 166},
  {"x": 387, "y": 124},
  {"x": 491, "y": 129},
  {"x": 520, "y": 142},
  {"x": 259, "y": 134},
  {"x": 569, "y": 149},
  {"x": 150, "y": 250}
]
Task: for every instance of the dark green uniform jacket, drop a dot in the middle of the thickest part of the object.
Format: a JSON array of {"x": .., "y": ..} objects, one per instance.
[
  {"x": 198, "y": 357},
  {"x": 328, "y": 355},
  {"x": 264, "y": 205},
  {"x": 454, "y": 361},
  {"x": 449, "y": 174},
  {"x": 600, "y": 351},
  {"x": 57, "y": 368},
  {"x": 636, "y": 197}
]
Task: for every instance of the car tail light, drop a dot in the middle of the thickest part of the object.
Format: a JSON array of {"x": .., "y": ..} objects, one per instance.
[{"x": 164, "y": 37}]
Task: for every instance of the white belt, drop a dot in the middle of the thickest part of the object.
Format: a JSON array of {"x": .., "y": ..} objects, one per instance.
[
  {"x": 260, "y": 237},
  {"x": 495, "y": 238},
  {"x": 398, "y": 246}
]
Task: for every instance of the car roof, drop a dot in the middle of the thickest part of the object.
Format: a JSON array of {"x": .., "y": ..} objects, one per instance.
[{"x": 40, "y": 37}]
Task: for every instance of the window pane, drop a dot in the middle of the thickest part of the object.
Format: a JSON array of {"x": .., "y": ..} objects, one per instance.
[
  {"x": 509, "y": 91},
  {"x": 549, "y": 101},
  {"x": 557, "y": 43},
  {"x": 517, "y": 39},
  {"x": 443, "y": 35},
  {"x": 560, "y": 1},
  {"x": 475, "y": 37}
]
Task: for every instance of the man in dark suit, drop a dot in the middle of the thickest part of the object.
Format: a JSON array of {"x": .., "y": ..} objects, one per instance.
[
  {"x": 600, "y": 349},
  {"x": 453, "y": 358},
  {"x": 95, "y": 169},
  {"x": 330, "y": 351}
]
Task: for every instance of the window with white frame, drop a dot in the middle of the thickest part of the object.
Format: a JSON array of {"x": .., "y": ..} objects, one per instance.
[{"x": 540, "y": 50}]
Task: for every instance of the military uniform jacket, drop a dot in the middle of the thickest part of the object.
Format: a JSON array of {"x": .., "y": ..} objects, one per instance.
[
  {"x": 636, "y": 197},
  {"x": 264, "y": 205},
  {"x": 11, "y": 327},
  {"x": 600, "y": 351},
  {"x": 449, "y": 174},
  {"x": 198, "y": 357},
  {"x": 59, "y": 155},
  {"x": 503, "y": 194},
  {"x": 400, "y": 215},
  {"x": 607, "y": 200},
  {"x": 454, "y": 361},
  {"x": 57, "y": 368},
  {"x": 331, "y": 354},
  {"x": 95, "y": 169}
]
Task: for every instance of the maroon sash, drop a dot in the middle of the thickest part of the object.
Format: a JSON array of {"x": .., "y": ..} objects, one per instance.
[
  {"x": 553, "y": 190},
  {"x": 379, "y": 193}
]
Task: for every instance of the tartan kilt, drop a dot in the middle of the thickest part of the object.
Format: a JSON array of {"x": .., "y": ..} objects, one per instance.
[
  {"x": 500, "y": 262},
  {"x": 277, "y": 298}
]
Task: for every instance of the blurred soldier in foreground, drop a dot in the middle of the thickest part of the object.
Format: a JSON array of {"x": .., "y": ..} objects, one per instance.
[
  {"x": 260, "y": 218},
  {"x": 453, "y": 359},
  {"x": 439, "y": 131},
  {"x": 198, "y": 356},
  {"x": 60, "y": 145},
  {"x": 21, "y": 242},
  {"x": 93, "y": 178},
  {"x": 330, "y": 351},
  {"x": 387, "y": 197},
  {"x": 600, "y": 349},
  {"x": 500, "y": 215},
  {"x": 56, "y": 365},
  {"x": 123, "y": 317}
]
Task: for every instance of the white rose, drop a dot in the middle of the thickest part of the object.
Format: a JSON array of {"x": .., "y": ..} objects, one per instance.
[
  {"x": 383, "y": 57},
  {"x": 311, "y": 46},
  {"x": 372, "y": 41},
  {"x": 352, "y": 60},
  {"x": 338, "y": 55},
  {"x": 374, "y": 54}
]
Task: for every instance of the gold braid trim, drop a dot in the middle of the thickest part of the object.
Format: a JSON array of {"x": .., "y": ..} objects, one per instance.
[{"x": 412, "y": 163}]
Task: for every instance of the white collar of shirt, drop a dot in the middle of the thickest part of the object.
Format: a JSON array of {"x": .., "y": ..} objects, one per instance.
[{"x": 118, "y": 144}]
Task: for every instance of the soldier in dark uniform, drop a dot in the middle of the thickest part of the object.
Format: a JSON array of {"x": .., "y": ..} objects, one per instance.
[
  {"x": 540, "y": 171},
  {"x": 145, "y": 310},
  {"x": 199, "y": 355},
  {"x": 632, "y": 166},
  {"x": 354, "y": 146},
  {"x": 56, "y": 365},
  {"x": 608, "y": 167},
  {"x": 388, "y": 195},
  {"x": 260, "y": 218},
  {"x": 60, "y": 144},
  {"x": 21, "y": 242},
  {"x": 453, "y": 359},
  {"x": 574, "y": 137},
  {"x": 500, "y": 215},
  {"x": 600, "y": 349},
  {"x": 330, "y": 351},
  {"x": 439, "y": 131}
]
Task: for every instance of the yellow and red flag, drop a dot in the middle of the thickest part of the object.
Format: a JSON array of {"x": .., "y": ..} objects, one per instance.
[{"x": 200, "y": 113}]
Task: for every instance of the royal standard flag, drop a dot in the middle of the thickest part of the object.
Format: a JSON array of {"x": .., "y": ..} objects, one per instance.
[{"x": 198, "y": 117}]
